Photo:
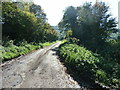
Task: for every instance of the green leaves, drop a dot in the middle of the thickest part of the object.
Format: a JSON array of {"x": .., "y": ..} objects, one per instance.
[
  {"x": 101, "y": 76},
  {"x": 91, "y": 64},
  {"x": 12, "y": 51},
  {"x": 91, "y": 24},
  {"x": 26, "y": 22},
  {"x": 79, "y": 56}
]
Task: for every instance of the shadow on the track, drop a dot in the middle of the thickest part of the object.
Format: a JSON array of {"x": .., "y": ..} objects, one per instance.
[{"x": 55, "y": 50}]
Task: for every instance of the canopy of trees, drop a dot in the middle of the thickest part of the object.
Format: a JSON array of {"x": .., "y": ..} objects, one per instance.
[
  {"x": 92, "y": 24},
  {"x": 26, "y": 21}
]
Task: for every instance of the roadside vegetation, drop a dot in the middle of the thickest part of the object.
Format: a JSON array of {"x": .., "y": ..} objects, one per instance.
[
  {"x": 91, "y": 50},
  {"x": 10, "y": 51},
  {"x": 87, "y": 31},
  {"x": 91, "y": 65},
  {"x": 25, "y": 29}
]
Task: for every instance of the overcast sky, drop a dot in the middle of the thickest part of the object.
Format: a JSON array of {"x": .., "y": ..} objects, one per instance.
[{"x": 54, "y": 8}]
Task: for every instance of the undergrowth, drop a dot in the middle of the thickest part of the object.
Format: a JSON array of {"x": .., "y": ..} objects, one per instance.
[
  {"x": 91, "y": 65},
  {"x": 10, "y": 51}
]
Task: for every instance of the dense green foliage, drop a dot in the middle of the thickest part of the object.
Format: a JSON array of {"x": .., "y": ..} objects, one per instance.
[
  {"x": 91, "y": 51},
  {"x": 91, "y": 65},
  {"x": 92, "y": 24},
  {"x": 9, "y": 50},
  {"x": 28, "y": 23},
  {"x": 92, "y": 27},
  {"x": 112, "y": 51}
]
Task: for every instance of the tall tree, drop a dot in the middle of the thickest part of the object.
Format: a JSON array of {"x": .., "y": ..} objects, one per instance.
[
  {"x": 18, "y": 24},
  {"x": 38, "y": 11},
  {"x": 69, "y": 19},
  {"x": 26, "y": 23},
  {"x": 92, "y": 24}
]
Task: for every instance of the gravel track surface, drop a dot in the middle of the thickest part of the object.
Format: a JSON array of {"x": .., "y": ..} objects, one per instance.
[{"x": 39, "y": 69}]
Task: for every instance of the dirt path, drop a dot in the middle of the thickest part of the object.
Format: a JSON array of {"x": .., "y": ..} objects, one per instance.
[{"x": 39, "y": 69}]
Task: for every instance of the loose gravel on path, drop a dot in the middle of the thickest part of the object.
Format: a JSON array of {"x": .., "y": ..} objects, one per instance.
[{"x": 39, "y": 69}]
